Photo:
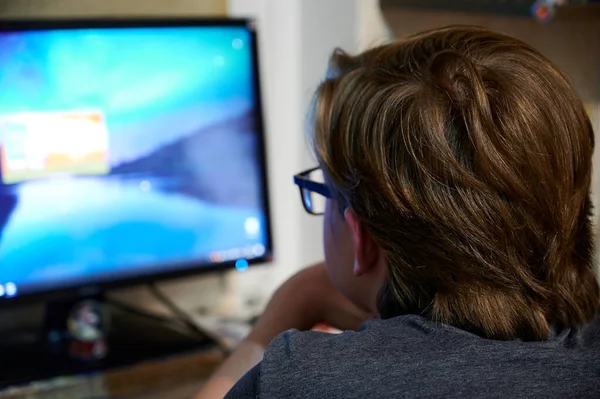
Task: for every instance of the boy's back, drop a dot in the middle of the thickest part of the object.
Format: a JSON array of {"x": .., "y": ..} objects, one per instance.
[{"x": 408, "y": 356}]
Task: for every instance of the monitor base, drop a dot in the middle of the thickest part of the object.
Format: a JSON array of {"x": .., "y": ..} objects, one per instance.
[{"x": 130, "y": 338}]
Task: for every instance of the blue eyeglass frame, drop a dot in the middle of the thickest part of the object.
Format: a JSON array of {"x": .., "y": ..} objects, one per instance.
[{"x": 304, "y": 183}]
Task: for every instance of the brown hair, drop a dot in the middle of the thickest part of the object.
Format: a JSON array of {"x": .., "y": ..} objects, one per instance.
[{"x": 468, "y": 157}]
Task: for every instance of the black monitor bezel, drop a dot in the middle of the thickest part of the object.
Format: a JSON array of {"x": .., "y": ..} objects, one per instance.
[{"x": 93, "y": 288}]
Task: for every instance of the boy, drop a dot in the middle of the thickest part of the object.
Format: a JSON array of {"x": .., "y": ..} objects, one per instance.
[{"x": 458, "y": 165}]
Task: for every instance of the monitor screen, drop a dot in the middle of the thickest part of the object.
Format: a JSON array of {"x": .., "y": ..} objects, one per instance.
[{"x": 128, "y": 152}]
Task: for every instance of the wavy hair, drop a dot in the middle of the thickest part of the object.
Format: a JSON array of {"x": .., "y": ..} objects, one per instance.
[{"x": 468, "y": 157}]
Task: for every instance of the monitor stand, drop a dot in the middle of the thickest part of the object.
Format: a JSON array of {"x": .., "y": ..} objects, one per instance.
[{"x": 130, "y": 337}]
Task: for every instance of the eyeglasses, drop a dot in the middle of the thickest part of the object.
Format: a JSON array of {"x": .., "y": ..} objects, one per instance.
[{"x": 313, "y": 190}]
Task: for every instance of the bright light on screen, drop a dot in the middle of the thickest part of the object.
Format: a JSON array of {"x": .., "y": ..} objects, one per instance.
[{"x": 126, "y": 152}]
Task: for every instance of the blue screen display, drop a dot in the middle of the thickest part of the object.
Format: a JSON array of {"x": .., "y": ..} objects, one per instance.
[{"x": 126, "y": 152}]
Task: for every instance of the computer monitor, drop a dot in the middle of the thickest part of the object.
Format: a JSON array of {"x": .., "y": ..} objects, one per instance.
[{"x": 131, "y": 150}]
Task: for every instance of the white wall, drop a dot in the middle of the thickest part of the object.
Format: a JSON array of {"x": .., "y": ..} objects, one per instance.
[
  {"x": 372, "y": 27},
  {"x": 324, "y": 26},
  {"x": 295, "y": 38},
  {"x": 279, "y": 41},
  {"x": 54, "y": 8}
]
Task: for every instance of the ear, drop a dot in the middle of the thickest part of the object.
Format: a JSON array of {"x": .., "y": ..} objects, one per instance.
[{"x": 367, "y": 252}]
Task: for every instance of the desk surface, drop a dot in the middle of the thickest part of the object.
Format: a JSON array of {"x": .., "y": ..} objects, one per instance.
[{"x": 178, "y": 377}]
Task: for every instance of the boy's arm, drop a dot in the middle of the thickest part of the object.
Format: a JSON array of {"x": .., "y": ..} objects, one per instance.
[
  {"x": 304, "y": 300},
  {"x": 247, "y": 355}
]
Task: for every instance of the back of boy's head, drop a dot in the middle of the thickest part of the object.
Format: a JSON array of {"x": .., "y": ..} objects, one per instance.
[{"x": 468, "y": 157}]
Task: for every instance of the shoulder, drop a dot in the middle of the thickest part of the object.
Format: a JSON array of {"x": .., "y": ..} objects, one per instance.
[
  {"x": 323, "y": 365},
  {"x": 293, "y": 350}
]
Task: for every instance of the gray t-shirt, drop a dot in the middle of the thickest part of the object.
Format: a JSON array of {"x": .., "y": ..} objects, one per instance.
[{"x": 408, "y": 356}]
